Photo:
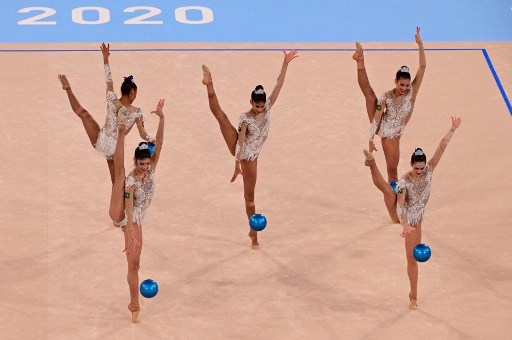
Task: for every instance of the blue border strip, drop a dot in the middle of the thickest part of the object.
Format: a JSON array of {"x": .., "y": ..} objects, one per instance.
[
  {"x": 484, "y": 51},
  {"x": 238, "y": 50},
  {"x": 498, "y": 82}
]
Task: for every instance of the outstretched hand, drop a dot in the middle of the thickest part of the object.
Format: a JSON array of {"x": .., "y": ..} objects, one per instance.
[
  {"x": 417, "y": 36},
  {"x": 407, "y": 229},
  {"x": 105, "y": 50},
  {"x": 159, "y": 108},
  {"x": 290, "y": 56},
  {"x": 238, "y": 171},
  {"x": 132, "y": 243},
  {"x": 456, "y": 122},
  {"x": 371, "y": 146},
  {"x": 358, "y": 53}
]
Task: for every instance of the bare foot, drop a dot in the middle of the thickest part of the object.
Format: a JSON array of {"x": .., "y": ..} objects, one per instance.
[
  {"x": 64, "y": 81},
  {"x": 358, "y": 53},
  {"x": 369, "y": 158},
  {"x": 254, "y": 238},
  {"x": 207, "y": 76},
  {"x": 135, "y": 313},
  {"x": 413, "y": 304}
]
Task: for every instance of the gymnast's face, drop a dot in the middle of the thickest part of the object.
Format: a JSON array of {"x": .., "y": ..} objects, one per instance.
[
  {"x": 402, "y": 86},
  {"x": 142, "y": 166},
  {"x": 418, "y": 168},
  {"x": 257, "y": 107}
]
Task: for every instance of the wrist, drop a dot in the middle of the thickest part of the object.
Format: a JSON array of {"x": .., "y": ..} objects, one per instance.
[{"x": 452, "y": 129}]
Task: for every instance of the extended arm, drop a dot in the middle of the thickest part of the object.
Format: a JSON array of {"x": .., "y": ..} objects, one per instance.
[
  {"x": 280, "y": 79},
  {"x": 416, "y": 83},
  {"x": 105, "y": 50},
  {"x": 142, "y": 130},
  {"x": 159, "y": 141},
  {"x": 444, "y": 143},
  {"x": 401, "y": 212}
]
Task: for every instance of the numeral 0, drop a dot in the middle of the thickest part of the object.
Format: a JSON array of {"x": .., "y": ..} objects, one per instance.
[{"x": 77, "y": 15}]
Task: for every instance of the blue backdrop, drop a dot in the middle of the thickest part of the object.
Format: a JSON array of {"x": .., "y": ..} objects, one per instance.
[{"x": 254, "y": 21}]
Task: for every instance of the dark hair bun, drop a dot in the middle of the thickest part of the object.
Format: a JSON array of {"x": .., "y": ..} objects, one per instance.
[
  {"x": 418, "y": 156},
  {"x": 128, "y": 85},
  {"x": 403, "y": 73},
  {"x": 142, "y": 151},
  {"x": 259, "y": 95}
]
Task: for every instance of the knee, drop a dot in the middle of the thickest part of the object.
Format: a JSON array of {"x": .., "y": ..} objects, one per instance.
[
  {"x": 249, "y": 199},
  {"x": 119, "y": 218},
  {"x": 114, "y": 214},
  {"x": 250, "y": 203},
  {"x": 134, "y": 265},
  {"x": 411, "y": 262}
]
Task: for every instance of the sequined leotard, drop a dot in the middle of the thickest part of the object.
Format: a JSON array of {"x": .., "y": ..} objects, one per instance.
[
  {"x": 416, "y": 195},
  {"x": 142, "y": 195},
  {"x": 396, "y": 116},
  {"x": 107, "y": 138},
  {"x": 256, "y": 134}
]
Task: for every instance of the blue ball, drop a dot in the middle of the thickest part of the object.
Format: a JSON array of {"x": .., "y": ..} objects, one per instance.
[
  {"x": 258, "y": 222},
  {"x": 421, "y": 252},
  {"x": 148, "y": 288},
  {"x": 393, "y": 185},
  {"x": 151, "y": 148}
]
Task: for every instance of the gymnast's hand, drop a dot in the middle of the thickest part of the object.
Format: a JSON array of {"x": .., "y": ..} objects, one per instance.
[
  {"x": 238, "y": 171},
  {"x": 407, "y": 229},
  {"x": 105, "y": 50},
  {"x": 159, "y": 108},
  {"x": 418, "y": 37},
  {"x": 456, "y": 122},
  {"x": 132, "y": 242},
  {"x": 290, "y": 56},
  {"x": 371, "y": 146}
]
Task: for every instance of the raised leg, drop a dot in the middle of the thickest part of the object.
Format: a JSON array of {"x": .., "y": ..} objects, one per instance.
[
  {"x": 381, "y": 184},
  {"x": 116, "y": 210},
  {"x": 249, "y": 170},
  {"x": 391, "y": 149},
  {"x": 364, "y": 82},
  {"x": 111, "y": 169},
  {"x": 91, "y": 126},
  {"x": 411, "y": 240},
  {"x": 228, "y": 130}
]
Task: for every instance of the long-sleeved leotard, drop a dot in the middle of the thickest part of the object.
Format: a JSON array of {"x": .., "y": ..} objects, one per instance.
[
  {"x": 257, "y": 132},
  {"x": 107, "y": 138},
  {"x": 417, "y": 193},
  {"x": 396, "y": 116}
]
